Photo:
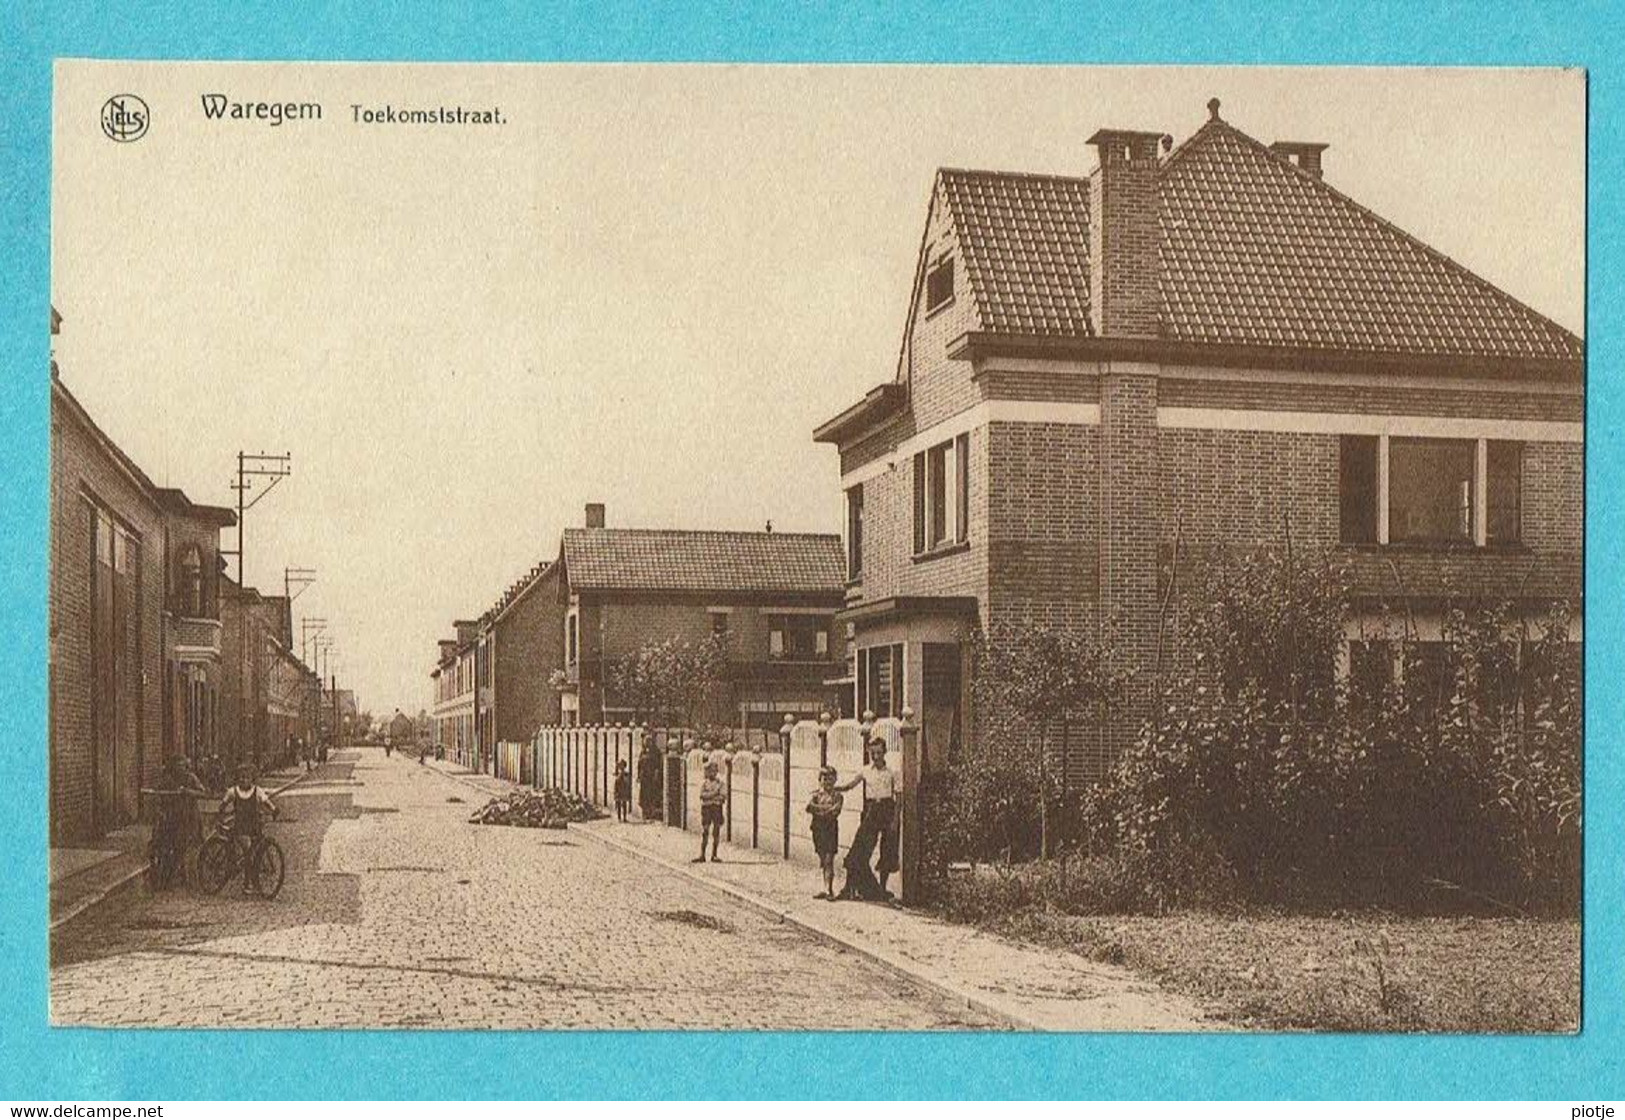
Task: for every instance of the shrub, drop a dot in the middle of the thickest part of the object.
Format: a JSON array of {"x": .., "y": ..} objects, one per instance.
[{"x": 1457, "y": 778}]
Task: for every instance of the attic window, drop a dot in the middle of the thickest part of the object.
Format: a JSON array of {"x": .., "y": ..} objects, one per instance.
[{"x": 939, "y": 285}]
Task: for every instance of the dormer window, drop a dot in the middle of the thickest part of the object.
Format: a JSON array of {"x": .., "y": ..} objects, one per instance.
[{"x": 939, "y": 284}]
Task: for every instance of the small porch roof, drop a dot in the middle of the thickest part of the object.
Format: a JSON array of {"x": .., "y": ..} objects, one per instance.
[{"x": 909, "y": 606}]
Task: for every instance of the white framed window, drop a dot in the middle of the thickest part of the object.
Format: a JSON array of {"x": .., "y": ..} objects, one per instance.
[
  {"x": 1430, "y": 491},
  {"x": 942, "y": 495}
]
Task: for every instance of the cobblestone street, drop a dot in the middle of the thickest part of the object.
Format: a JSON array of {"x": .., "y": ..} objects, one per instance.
[{"x": 398, "y": 913}]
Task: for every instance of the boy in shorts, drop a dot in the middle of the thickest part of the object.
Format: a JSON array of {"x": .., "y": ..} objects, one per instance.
[
  {"x": 825, "y": 808},
  {"x": 712, "y": 794}
]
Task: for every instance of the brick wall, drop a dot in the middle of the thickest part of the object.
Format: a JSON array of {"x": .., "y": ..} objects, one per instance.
[
  {"x": 1554, "y": 496},
  {"x": 529, "y": 648},
  {"x": 1039, "y": 385},
  {"x": 1241, "y": 487},
  {"x": 1043, "y": 520},
  {"x": 80, "y": 467},
  {"x": 939, "y": 388}
]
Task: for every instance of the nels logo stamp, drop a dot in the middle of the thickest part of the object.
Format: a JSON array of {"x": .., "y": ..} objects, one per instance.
[{"x": 125, "y": 118}]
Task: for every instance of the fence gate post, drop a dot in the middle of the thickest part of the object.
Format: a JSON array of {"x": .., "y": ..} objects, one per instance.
[
  {"x": 908, "y": 837},
  {"x": 755, "y": 800},
  {"x": 785, "y": 735},
  {"x": 728, "y": 814}
]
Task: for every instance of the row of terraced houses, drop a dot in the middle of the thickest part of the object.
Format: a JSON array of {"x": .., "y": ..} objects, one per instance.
[
  {"x": 1207, "y": 342},
  {"x": 154, "y": 651}
]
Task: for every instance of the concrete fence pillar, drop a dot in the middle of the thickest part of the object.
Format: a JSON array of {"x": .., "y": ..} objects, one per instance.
[
  {"x": 908, "y": 806},
  {"x": 784, "y": 743}
]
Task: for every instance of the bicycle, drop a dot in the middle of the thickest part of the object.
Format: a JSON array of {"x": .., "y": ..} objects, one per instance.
[{"x": 224, "y": 854}]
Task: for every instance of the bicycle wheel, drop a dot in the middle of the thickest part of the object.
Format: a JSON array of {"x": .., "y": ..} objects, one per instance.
[
  {"x": 269, "y": 867},
  {"x": 215, "y": 864},
  {"x": 163, "y": 866}
]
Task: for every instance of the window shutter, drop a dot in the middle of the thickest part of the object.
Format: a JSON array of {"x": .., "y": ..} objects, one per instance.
[
  {"x": 962, "y": 486},
  {"x": 1357, "y": 487},
  {"x": 919, "y": 502}
]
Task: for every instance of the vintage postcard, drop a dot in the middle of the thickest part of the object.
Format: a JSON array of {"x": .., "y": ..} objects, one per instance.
[{"x": 816, "y": 548}]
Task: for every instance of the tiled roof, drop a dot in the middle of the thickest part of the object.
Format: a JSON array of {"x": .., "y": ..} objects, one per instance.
[
  {"x": 689, "y": 560},
  {"x": 1025, "y": 244},
  {"x": 1255, "y": 251}
]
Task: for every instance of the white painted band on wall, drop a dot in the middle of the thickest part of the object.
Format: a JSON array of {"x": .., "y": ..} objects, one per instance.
[
  {"x": 977, "y": 416},
  {"x": 1310, "y": 380},
  {"x": 1370, "y": 424}
]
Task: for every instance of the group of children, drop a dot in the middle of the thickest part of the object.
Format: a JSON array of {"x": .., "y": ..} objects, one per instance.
[
  {"x": 243, "y": 808},
  {"x": 876, "y": 829}
]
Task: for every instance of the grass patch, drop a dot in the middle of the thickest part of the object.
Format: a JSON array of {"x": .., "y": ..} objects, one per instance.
[{"x": 1342, "y": 972}]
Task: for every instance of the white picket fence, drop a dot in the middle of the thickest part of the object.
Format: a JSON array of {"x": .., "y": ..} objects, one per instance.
[{"x": 761, "y": 807}]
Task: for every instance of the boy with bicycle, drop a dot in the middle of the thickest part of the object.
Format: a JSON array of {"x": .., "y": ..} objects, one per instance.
[{"x": 245, "y": 807}]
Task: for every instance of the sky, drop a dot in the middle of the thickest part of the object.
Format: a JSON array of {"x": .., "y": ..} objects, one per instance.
[{"x": 645, "y": 288}]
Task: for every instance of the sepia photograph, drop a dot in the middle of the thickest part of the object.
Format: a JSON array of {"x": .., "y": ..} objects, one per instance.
[{"x": 679, "y": 547}]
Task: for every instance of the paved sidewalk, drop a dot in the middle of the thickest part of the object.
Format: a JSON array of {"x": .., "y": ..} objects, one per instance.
[
  {"x": 1028, "y": 987},
  {"x": 82, "y": 878}
]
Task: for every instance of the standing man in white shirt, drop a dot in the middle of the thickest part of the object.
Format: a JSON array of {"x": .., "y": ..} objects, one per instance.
[{"x": 882, "y": 787}]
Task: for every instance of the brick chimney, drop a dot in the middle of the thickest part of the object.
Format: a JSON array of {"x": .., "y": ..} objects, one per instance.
[
  {"x": 595, "y": 515},
  {"x": 1123, "y": 234},
  {"x": 448, "y": 646},
  {"x": 1302, "y": 154},
  {"x": 467, "y": 630},
  {"x": 1124, "y": 303}
]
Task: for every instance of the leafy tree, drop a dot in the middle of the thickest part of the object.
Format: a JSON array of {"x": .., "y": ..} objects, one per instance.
[{"x": 672, "y": 681}]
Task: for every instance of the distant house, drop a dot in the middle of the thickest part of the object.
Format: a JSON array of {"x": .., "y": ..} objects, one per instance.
[
  {"x": 455, "y": 685},
  {"x": 268, "y": 696},
  {"x": 1209, "y": 341}
]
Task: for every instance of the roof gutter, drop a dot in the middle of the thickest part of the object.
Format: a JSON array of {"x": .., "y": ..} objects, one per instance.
[{"x": 977, "y": 345}]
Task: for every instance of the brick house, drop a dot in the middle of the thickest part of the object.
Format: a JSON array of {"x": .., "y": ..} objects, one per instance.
[
  {"x": 541, "y": 655},
  {"x": 134, "y": 625},
  {"x": 455, "y": 684},
  {"x": 1206, "y": 341},
  {"x": 771, "y": 596}
]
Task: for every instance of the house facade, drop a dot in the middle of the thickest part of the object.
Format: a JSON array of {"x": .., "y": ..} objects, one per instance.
[
  {"x": 455, "y": 685},
  {"x": 523, "y": 636},
  {"x": 269, "y": 698},
  {"x": 134, "y": 626},
  {"x": 1194, "y": 346}
]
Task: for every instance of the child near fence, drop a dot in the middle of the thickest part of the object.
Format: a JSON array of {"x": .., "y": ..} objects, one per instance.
[
  {"x": 825, "y": 808},
  {"x": 712, "y": 794},
  {"x": 623, "y": 790}
]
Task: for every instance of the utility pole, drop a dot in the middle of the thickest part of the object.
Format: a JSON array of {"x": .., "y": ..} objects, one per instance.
[
  {"x": 309, "y": 627},
  {"x": 296, "y": 577},
  {"x": 250, "y": 467}
]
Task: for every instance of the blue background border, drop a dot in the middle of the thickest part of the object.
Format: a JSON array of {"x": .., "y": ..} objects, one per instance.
[{"x": 36, "y": 1061}]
